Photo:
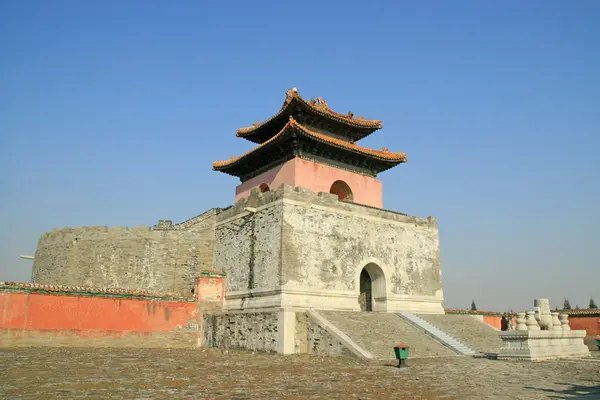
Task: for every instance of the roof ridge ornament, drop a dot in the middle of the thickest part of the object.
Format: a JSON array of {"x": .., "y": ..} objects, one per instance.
[
  {"x": 320, "y": 107},
  {"x": 292, "y": 121},
  {"x": 289, "y": 94}
]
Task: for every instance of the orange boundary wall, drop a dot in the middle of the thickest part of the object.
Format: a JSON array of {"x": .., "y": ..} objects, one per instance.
[
  {"x": 591, "y": 324},
  {"x": 33, "y": 311},
  {"x": 92, "y": 312},
  {"x": 588, "y": 320},
  {"x": 493, "y": 320}
]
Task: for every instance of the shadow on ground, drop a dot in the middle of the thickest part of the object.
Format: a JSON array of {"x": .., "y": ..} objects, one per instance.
[{"x": 574, "y": 392}]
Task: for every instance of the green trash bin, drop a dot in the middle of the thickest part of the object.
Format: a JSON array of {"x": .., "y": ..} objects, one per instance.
[
  {"x": 598, "y": 342},
  {"x": 401, "y": 352}
]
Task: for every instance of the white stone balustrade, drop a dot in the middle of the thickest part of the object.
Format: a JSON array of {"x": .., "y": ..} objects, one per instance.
[{"x": 542, "y": 335}]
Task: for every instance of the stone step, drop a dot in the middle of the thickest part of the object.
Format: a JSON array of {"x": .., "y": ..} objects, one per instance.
[
  {"x": 443, "y": 337},
  {"x": 467, "y": 329},
  {"x": 378, "y": 333}
]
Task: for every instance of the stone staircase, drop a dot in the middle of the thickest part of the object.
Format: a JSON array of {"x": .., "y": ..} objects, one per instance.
[
  {"x": 443, "y": 337},
  {"x": 468, "y": 329},
  {"x": 378, "y": 333}
]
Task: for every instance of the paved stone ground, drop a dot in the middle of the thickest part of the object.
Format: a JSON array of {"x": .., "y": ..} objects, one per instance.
[
  {"x": 472, "y": 332},
  {"x": 74, "y": 373},
  {"x": 380, "y": 332}
]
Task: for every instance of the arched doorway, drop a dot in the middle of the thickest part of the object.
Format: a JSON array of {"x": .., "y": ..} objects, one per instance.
[
  {"x": 342, "y": 190},
  {"x": 366, "y": 292},
  {"x": 372, "y": 288}
]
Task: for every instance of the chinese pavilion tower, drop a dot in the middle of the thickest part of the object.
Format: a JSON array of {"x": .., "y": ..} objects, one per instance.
[{"x": 309, "y": 145}]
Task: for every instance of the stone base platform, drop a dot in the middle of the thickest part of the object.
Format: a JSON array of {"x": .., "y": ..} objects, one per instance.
[
  {"x": 330, "y": 300},
  {"x": 541, "y": 345}
]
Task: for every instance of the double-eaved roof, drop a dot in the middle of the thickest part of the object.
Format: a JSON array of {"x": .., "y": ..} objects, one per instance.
[
  {"x": 294, "y": 104},
  {"x": 310, "y": 130}
]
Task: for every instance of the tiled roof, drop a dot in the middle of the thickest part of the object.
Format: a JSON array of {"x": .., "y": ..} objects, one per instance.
[
  {"x": 294, "y": 126},
  {"x": 83, "y": 289},
  {"x": 471, "y": 312},
  {"x": 320, "y": 107},
  {"x": 584, "y": 312}
]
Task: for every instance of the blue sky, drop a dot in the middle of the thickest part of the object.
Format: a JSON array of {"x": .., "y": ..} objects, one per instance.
[{"x": 111, "y": 113}]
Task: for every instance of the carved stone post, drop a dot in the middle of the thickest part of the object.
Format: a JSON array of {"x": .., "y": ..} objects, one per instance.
[
  {"x": 542, "y": 313},
  {"x": 556, "y": 324},
  {"x": 564, "y": 321},
  {"x": 532, "y": 324},
  {"x": 521, "y": 325},
  {"x": 511, "y": 327}
]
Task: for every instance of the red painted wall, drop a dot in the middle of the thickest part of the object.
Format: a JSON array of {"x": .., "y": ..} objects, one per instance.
[
  {"x": 489, "y": 317},
  {"x": 22, "y": 310},
  {"x": 590, "y": 324}
]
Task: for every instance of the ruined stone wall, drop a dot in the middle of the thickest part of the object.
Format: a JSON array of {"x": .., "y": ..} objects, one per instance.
[
  {"x": 311, "y": 338},
  {"x": 264, "y": 331},
  {"x": 166, "y": 259},
  {"x": 250, "y": 331}
]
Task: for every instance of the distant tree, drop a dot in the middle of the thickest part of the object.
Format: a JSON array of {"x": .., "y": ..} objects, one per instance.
[
  {"x": 592, "y": 304},
  {"x": 566, "y": 305},
  {"x": 473, "y": 306},
  {"x": 577, "y": 307}
]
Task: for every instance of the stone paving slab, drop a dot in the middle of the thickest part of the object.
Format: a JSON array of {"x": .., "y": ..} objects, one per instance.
[
  {"x": 65, "y": 373},
  {"x": 378, "y": 333},
  {"x": 469, "y": 330},
  {"x": 73, "y": 338}
]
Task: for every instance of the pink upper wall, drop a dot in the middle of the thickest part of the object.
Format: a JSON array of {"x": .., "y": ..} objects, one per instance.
[
  {"x": 318, "y": 178},
  {"x": 275, "y": 177}
]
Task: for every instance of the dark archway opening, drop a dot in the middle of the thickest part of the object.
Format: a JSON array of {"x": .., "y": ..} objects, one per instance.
[
  {"x": 342, "y": 190},
  {"x": 264, "y": 187},
  {"x": 366, "y": 291},
  {"x": 372, "y": 288}
]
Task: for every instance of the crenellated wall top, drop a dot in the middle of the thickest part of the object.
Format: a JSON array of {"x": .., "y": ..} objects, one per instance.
[
  {"x": 163, "y": 225},
  {"x": 305, "y": 196},
  {"x": 166, "y": 225}
]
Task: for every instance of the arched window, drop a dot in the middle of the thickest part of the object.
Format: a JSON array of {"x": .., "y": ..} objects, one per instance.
[
  {"x": 264, "y": 187},
  {"x": 342, "y": 190}
]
